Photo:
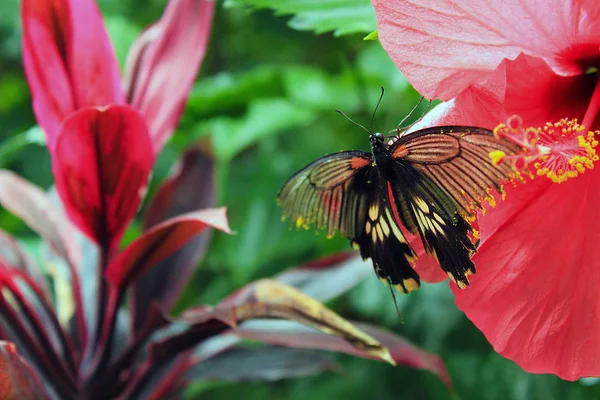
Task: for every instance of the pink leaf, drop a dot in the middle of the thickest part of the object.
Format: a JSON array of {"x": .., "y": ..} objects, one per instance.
[
  {"x": 68, "y": 58},
  {"x": 31, "y": 204},
  {"x": 101, "y": 163},
  {"x": 163, "y": 64}
]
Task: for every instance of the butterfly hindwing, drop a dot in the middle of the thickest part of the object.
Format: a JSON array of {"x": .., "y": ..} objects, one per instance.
[
  {"x": 381, "y": 239},
  {"x": 428, "y": 211}
]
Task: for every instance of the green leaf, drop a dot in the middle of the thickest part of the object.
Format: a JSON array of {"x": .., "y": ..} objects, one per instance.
[
  {"x": 122, "y": 33},
  {"x": 227, "y": 91},
  {"x": 372, "y": 36},
  {"x": 265, "y": 117},
  {"x": 343, "y": 17}
]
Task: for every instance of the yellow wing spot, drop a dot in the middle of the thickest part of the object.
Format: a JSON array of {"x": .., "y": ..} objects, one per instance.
[
  {"x": 438, "y": 218},
  {"x": 438, "y": 228},
  {"x": 374, "y": 211},
  {"x": 460, "y": 284},
  {"x": 384, "y": 227},
  {"x": 300, "y": 223},
  {"x": 395, "y": 228},
  {"x": 379, "y": 232},
  {"x": 410, "y": 284},
  {"x": 374, "y": 235},
  {"x": 422, "y": 205},
  {"x": 355, "y": 245},
  {"x": 368, "y": 227}
]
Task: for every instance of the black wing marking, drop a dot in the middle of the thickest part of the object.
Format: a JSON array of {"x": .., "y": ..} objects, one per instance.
[
  {"x": 427, "y": 210},
  {"x": 457, "y": 159},
  {"x": 324, "y": 193},
  {"x": 381, "y": 239}
]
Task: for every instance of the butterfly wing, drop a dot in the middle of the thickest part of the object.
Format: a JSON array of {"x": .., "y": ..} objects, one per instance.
[
  {"x": 344, "y": 192},
  {"x": 323, "y": 193},
  {"x": 426, "y": 210},
  {"x": 457, "y": 159},
  {"x": 380, "y": 238},
  {"x": 439, "y": 177}
]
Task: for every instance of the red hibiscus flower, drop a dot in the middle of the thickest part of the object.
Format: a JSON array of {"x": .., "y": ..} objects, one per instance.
[{"x": 535, "y": 295}]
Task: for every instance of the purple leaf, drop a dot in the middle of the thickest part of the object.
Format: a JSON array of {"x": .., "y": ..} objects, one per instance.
[
  {"x": 290, "y": 333},
  {"x": 12, "y": 254},
  {"x": 265, "y": 363},
  {"x": 29, "y": 321},
  {"x": 191, "y": 187},
  {"x": 328, "y": 277}
]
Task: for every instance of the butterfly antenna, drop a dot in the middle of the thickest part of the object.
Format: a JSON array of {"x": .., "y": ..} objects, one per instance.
[
  {"x": 411, "y": 112},
  {"x": 375, "y": 110},
  {"x": 353, "y": 121},
  {"x": 394, "y": 298}
]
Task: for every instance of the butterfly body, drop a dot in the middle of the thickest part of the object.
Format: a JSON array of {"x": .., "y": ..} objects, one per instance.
[{"x": 428, "y": 183}]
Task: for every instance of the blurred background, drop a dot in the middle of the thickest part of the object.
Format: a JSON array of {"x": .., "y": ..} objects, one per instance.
[{"x": 266, "y": 95}]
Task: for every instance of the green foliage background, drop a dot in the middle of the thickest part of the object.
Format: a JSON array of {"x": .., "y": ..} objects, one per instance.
[{"x": 273, "y": 76}]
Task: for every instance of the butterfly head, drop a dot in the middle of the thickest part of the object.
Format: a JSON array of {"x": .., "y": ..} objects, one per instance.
[{"x": 376, "y": 140}]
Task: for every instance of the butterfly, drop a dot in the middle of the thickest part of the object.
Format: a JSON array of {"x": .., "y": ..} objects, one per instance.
[{"x": 429, "y": 182}]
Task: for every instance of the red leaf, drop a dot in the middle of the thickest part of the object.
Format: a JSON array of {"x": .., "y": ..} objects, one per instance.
[
  {"x": 68, "y": 58},
  {"x": 101, "y": 163},
  {"x": 31, "y": 204},
  {"x": 190, "y": 188},
  {"x": 18, "y": 381},
  {"x": 161, "y": 241},
  {"x": 163, "y": 64}
]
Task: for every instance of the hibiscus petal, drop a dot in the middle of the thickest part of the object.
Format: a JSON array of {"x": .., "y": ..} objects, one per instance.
[
  {"x": 68, "y": 59},
  {"x": 443, "y": 47},
  {"x": 164, "y": 62},
  {"x": 535, "y": 293},
  {"x": 538, "y": 95},
  {"x": 101, "y": 162}
]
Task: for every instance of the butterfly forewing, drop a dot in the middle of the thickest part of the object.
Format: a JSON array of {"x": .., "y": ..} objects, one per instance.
[
  {"x": 457, "y": 159},
  {"x": 324, "y": 193}
]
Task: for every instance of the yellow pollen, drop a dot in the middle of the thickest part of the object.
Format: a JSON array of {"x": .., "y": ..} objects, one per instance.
[{"x": 560, "y": 151}]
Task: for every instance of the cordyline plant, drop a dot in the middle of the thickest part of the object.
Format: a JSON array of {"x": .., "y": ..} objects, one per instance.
[{"x": 69, "y": 337}]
